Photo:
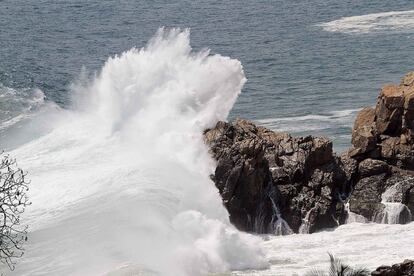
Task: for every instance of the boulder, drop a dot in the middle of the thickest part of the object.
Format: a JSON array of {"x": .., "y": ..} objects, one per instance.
[
  {"x": 383, "y": 145},
  {"x": 369, "y": 167},
  {"x": 366, "y": 197},
  {"x": 396, "y": 153},
  {"x": 405, "y": 268},
  {"x": 407, "y": 88},
  {"x": 389, "y": 110},
  {"x": 386, "y": 132},
  {"x": 364, "y": 134},
  {"x": 372, "y": 194},
  {"x": 409, "y": 198},
  {"x": 400, "y": 189},
  {"x": 242, "y": 174}
]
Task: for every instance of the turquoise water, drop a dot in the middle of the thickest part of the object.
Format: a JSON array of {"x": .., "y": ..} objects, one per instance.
[{"x": 295, "y": 67}]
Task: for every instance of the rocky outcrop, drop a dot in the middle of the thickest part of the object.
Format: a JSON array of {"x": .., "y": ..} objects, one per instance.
[
  {"x": 242, "y": 175},
  {"x": 383, "y": 144},
  {"x": 405, "y": 268},
  {"x": 266, "y": 178},
  {"x": 364, "y": 135},
  {"x": 386, "y": 132},
  {"x": 272, "y": 182}
]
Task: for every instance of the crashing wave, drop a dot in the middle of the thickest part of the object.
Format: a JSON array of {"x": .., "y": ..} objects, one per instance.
[{"x": 125, "y": 178}]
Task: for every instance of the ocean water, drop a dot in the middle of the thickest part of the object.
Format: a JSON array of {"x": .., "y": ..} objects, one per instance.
[
  {"x": 105, "y": 111},
  {"x": 323, "y": 59}
]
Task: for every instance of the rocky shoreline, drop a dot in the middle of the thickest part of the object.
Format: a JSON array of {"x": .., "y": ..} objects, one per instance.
[
  {"x": 272, "y": 182},
  {"x": 405, "y": 268}
]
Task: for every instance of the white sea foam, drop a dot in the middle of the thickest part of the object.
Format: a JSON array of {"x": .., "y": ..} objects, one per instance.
[
  {"x": 18, "y": 105},
  {"x": 394, "y": 21},
  {"x": 357, "y": 244},
  {"x": 311, "y": 122},
  {"x": 123, "y": 182}
]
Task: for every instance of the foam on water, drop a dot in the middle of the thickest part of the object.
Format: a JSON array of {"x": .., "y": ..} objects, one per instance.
[
  {"x": 121, "y": 183},
  {"x": 357, "y": 244},
  {"x": 24, "y": 114},
  {"x": 394, "y": 21},
  {"x": 311, "y": 122},
  {"x": 17, "y": 105}
]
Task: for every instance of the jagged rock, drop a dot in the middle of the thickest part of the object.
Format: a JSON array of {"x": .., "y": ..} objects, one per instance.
[
  {"x": 242, "y": 175},
  {"x": 402, "y": 192},
  {"x": 266, "y": 178},
  {"x": 407, "y": 88},
  {"x": 348, "y": 165},
  {"x": 292, "y": 159},
  {"x": 386, "y": 165},
  {"x": 364, "y": 134},
  {"x": 370, "y": 167},
  {"x": 396, "y": 153},
  {"x": 405, "y": 268},
  {"x": 371, "y": 192},
  {"x": 257, "y": 167},
  {"x": 389, "y": 110},
  {"x": 306, "y": 165},
  {"x": 366, "y": 197},
  {"x": 410, "y": 200},
  {"x": 387, "y": 132}
]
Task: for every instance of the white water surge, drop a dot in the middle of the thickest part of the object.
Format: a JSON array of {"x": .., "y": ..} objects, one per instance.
[
  {"x": 357, "y": 244},
  {"x": 394, "y": 211},
  {"x": 121, "y": 184},
  {"x": 393, "y": 21}
]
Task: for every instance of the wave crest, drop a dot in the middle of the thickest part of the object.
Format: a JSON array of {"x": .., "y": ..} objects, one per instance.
[{"x": 125, "y": 180}]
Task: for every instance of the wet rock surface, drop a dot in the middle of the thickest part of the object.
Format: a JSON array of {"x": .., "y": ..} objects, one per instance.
[
  {"x": 259, "y": 171},
  {"x": 405, "y": 268},
  {"x": 385, "y": 168},
  {"x": 272, "y": 182},
  {"x": 242, "y": 175}
]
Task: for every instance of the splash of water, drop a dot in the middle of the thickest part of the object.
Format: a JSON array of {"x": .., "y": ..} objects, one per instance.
[
  {"x": 305, "y": 226},
  {"x": 278, "y": 225},
  {"x": 394, "y": 212},
  {"x": 354, "y": 217},
  {"x": 122, "y": 181}
]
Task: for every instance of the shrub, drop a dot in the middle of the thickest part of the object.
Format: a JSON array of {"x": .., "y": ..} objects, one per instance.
[{"x": 13, "y": 201}]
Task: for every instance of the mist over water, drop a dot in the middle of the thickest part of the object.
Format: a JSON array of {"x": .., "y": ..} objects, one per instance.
[{"x": 122, "y": 182}]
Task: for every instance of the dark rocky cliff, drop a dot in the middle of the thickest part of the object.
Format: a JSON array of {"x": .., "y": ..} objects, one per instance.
[
  {"x": 405, "y": 268},
  {"x": 272, "y": 182}
]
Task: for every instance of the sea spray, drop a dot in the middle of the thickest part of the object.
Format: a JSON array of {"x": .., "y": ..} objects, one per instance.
[
  {"x": 123, "y": 181},
  {"x": 278, "y": 225},
  {"x": 354, "y": 217},
  {"x": 394, "y": 211},
  {"x": 305, "y": 226}
]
